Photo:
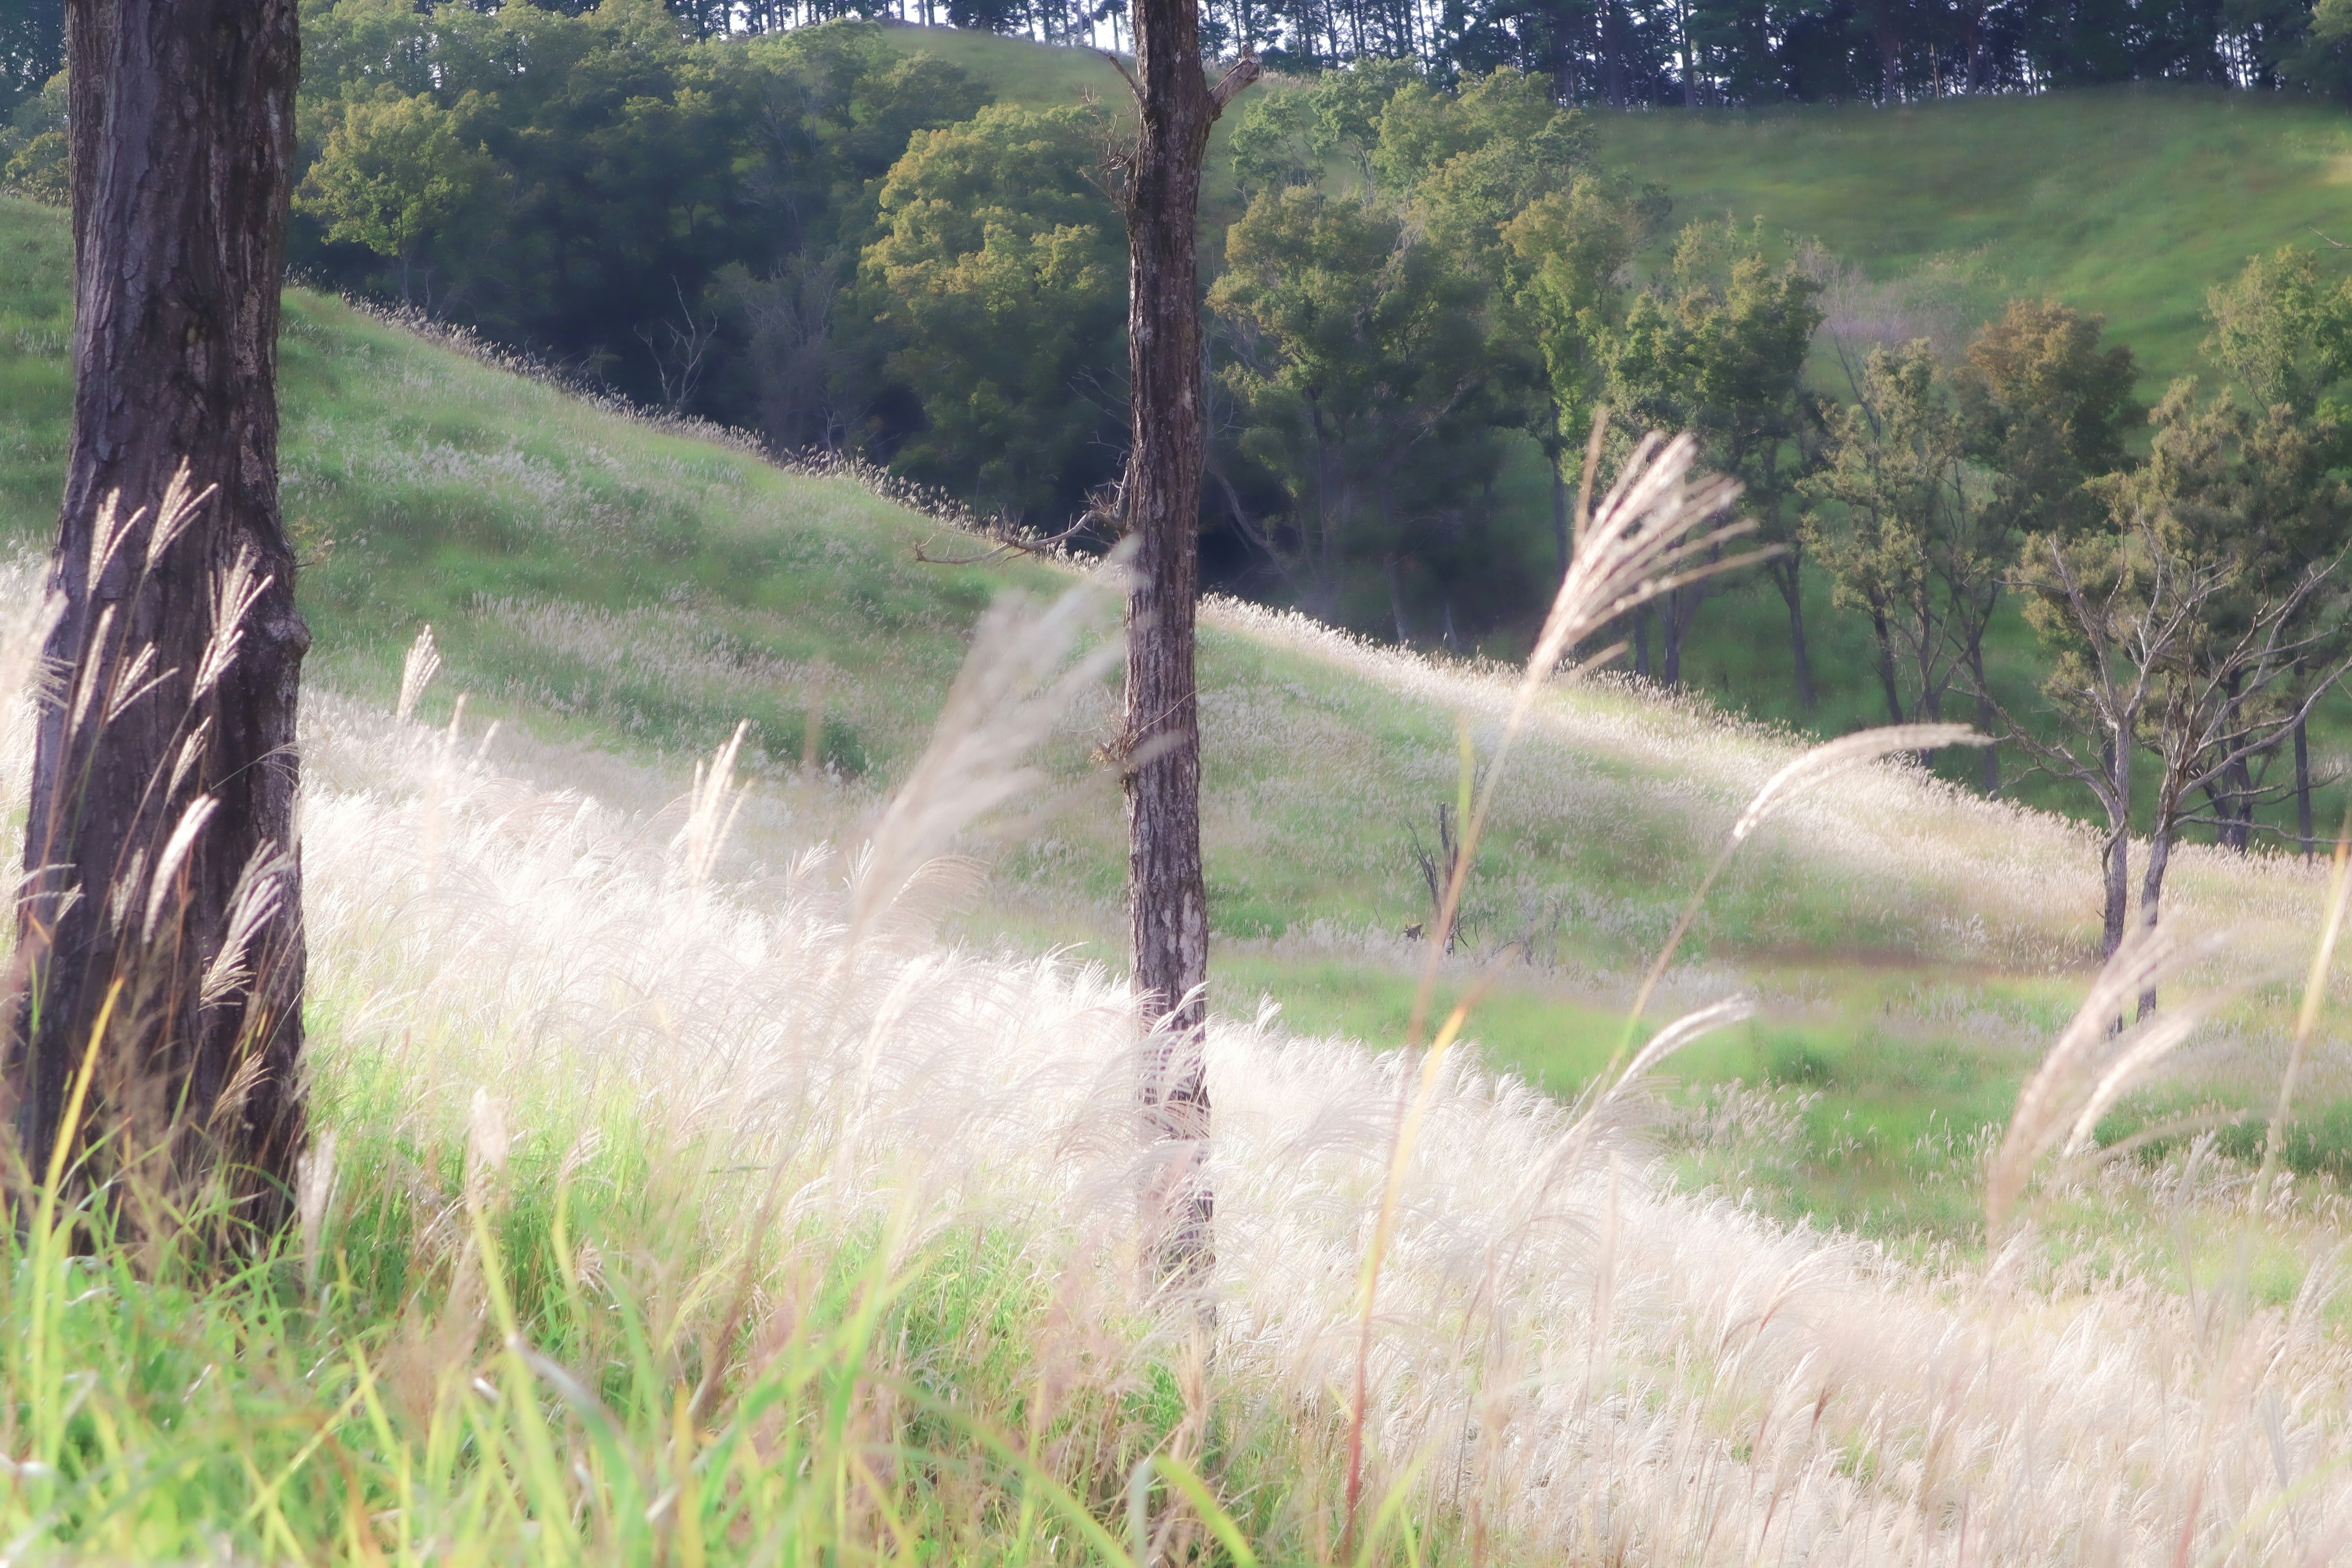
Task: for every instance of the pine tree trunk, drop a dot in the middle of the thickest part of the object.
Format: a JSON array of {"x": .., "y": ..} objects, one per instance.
[
  {"x": 162, "y": 870},
  {"x": 1168, "y": 899},
  {"x": 1790, "y": 582},
  {"x": 2303, "y": 789}
]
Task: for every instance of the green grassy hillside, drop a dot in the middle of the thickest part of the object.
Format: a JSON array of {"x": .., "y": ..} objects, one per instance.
[
  {"x": 2128, "y": 201},
  {"x": 619, "y": 595}
]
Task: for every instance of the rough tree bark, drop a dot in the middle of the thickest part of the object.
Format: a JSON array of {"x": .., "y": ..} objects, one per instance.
[
  {"x": 1168, "y": 899},
  {"x": 2303, "y": 789},
  {"x": 159, "y": 854}
]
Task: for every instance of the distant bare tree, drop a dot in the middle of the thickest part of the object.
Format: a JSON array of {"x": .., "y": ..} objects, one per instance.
[{"x": 2201, "y": 627}]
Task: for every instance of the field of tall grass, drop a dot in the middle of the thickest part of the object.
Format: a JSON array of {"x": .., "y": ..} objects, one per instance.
[{"x": 670, "y": 1205}]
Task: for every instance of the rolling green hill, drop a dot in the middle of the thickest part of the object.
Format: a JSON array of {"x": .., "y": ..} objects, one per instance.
[{"x": 2129, "y": 201}]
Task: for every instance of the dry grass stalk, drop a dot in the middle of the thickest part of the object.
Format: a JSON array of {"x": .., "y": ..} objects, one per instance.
[
  {"x": 2095, "y": 1060},
  {"x": 2314, "y": 992}
]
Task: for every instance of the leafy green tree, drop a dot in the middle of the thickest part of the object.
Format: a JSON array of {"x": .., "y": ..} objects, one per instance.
[
  {"x": 1493, "y": 185},
  {"x": 2282, "y": 335},
  {"x": 1001, "y": 275},
  {"x": 393, "y": 173},
  {"x": 2321, "y": 59},
  {"x": 1717, "y": 345},
  {"x": 1502, "y": 176},
  {"x": 1907, "y": 532},
  {"x": 33, "y": 150},
  {"x": 2282, "y": 330},
  {"x": 2180, "y": 628},
  {"x": 2044, "y": 408},
  {"x": 1293, "y": 133},
  {"x": 1362, "y": 360},
  {"x": 631, "y": 168},
  {"x": 1568, "y": 247},
  {"x": 2040, "y": 374}
]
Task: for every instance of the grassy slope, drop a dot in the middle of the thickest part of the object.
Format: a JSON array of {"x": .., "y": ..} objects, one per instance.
[
  {"x": 2130, "y": 202},
  {"x": 612, "y": 588}
]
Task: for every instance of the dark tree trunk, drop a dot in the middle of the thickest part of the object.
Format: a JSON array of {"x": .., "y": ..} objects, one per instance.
[
  {"x": 1789, "y": 580},
  {"x": 1884, "y": 32},
  {"x": 1885, "y": 641},
  {"x": 1170, "y": 909},
  {"x": 2115, "y": 865},
  {"x": 1990, "y": 777},
  {"x": 1562, "y": 545},
  {"x": 1679, "y": 609},
  {"x": 161, "y": 869},
  {"x": 1612, "y": 53},
  {"x": 2151, "y": 890},
  {"x": 2302, "y": 788}
]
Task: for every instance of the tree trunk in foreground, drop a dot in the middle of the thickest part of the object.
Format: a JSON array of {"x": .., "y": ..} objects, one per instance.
[
  {"x": 1170, "y": 906},
  {"x": 163, "y": 892}
]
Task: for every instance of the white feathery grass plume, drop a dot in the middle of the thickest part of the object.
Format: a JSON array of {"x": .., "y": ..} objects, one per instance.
[
  {"x": 259, "y": 895},
  {"x": 1808, "y": 770},
  {"x": 107, "y": 532},
  {"x": 488, "y": 1140},
  {"x": 710, "y": 811},
  {"x": 192, "y": 749},
  {"x": 1651, "y": 526},
  {"x": 1827, "y": 760},
  {"x": 179, "y": 508},
  {"x": 29, "y": 612},
  {"x": 233, "y": 593},
  {"x": 1025, "y": 671},
  {"x": 1674, "y": 1036},
  {"x": 1654, "y": 522},
  {"x": 85, "y": 678},
  {"x": 2146, "y": 1046},
  {"x": 314, "y": 1195},
  {"x": 133, "y": 681},
  {"x": 416, "y": 672},
  {"x": 175, "y": 851},
  {"x": 2090, "y": 1055}
]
